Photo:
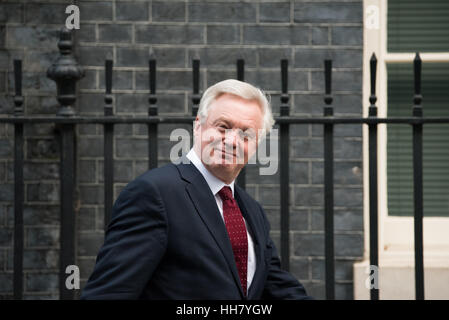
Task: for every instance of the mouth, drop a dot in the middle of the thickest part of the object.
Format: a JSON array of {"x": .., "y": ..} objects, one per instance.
[
  {"x": 229, "y": 154},
  {"x": 225, "y": 154},
  {"x": 223, "y": 151},
  {"x": 227, "y": 158}
]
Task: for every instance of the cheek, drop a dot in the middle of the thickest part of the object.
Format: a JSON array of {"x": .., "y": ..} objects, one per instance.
[
  {"x": 251, "y": 147},
  {"x": 210, "y": 136}
]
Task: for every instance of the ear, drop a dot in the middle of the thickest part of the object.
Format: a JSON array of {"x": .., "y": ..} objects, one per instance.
[{"x": 196, "y": 126}]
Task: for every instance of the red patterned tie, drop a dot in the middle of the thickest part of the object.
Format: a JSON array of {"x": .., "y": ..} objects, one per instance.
[{"x": 237, "y": 233}]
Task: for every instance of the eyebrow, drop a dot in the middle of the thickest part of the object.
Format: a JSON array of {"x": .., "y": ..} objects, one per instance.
[{"x": 223, "y": 120}]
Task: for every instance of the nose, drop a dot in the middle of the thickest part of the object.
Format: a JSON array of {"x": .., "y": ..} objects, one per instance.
[{"x": 231, "y": 137}]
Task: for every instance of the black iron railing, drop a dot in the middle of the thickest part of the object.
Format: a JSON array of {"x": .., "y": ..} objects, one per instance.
[{"x": 66, "y": 72}]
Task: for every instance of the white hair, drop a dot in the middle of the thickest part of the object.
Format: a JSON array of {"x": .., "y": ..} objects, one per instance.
[{"x": 241, "y": 89}]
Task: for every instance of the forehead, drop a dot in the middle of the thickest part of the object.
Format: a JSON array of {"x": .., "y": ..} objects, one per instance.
[{"x": 234, "y": 108}]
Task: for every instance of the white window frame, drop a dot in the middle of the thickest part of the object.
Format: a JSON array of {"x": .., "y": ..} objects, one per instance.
[{"x": 396, "y": 234}]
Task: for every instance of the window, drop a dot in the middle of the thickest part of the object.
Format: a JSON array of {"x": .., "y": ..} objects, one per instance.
[
  {"x": 395, "y": 30},
  {"x": 415, "y": 25}
]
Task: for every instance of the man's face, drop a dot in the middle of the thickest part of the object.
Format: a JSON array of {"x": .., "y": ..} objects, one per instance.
[{"x": 228, "y": 137}]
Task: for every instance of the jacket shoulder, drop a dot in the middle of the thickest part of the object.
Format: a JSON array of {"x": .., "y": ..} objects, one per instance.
[{"x": 158, "y": 177}]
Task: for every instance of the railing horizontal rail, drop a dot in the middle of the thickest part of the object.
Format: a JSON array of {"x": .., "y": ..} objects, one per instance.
[{"x": 190, "y": 119}]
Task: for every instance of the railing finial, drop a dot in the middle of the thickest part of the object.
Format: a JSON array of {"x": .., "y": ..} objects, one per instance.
[
  {"x": 372, "y": 98},
  {"x": 284, "y": 109},
  {"x": 152, "y": 99},
  {"x": 196, "y": 97},
  {"x": 241, "y": 69},
  {"x": 66, "y": 72},
  {"x": 417, "y": 64},
  {"x": 108, "y": 99},
  {"x": 18, "y": 98},
  {"x": 328, "y": 109}
]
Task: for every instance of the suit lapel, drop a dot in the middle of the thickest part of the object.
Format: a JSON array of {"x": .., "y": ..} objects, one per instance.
[
  {"x": 246, "y": 209},
  {"x": 205, "y": 204}
]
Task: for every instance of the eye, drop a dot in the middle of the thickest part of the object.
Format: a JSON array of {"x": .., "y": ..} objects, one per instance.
[{"x": 247, "y": 135}]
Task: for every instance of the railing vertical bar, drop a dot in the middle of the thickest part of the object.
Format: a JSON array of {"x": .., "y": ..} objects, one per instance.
[
  {"x": 18, "y": 185},
  {"x": 68, "y": 221},
  {"x": 152, "y": 111},
  {"x": 108, "y": 147},
  {"x": 329, "y": 185},
  {"x": 418, "y": 182},
  {"x": 284, "y": 169},
  {"x": 241, "y": 179},
  {"x": 373, "y": 208}
]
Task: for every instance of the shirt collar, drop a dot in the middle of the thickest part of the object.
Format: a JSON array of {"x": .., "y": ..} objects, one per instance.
[{"x": 214, "y": 183}]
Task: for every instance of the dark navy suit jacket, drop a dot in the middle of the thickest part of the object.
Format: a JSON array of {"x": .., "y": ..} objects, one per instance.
[{"x": 167, "y": 240}]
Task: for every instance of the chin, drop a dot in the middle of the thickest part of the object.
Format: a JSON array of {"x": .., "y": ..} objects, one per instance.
[{"x": 221, "y": 166}]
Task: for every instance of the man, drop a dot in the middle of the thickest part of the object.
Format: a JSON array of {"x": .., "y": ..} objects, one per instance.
[{"x": 187, "y": 231}]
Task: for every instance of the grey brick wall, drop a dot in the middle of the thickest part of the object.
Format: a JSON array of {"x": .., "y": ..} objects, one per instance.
[{"x": 219, "y": 32}]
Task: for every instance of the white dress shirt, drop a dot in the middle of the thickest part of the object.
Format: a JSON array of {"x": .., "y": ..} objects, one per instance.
[{"x": 215, "y": 186}]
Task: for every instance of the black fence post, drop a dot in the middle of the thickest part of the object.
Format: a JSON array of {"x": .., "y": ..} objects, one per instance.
[
  {"x": 152, "y": 111},
  {"x": 108, "y": 128},
  {"x": 329, "y": 184},
  {"x": 241, "y": 179},
  {"x": 418, "y": 181},
  {"x": 373, "y": 209},
  {"x": 66, "y": 72},
  {"x": 284, "y": 128},
  {"x": 18, "y": 184}
]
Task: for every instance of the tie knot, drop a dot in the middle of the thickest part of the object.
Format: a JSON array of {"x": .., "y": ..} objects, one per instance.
[{"x": 225, "y": 193}]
